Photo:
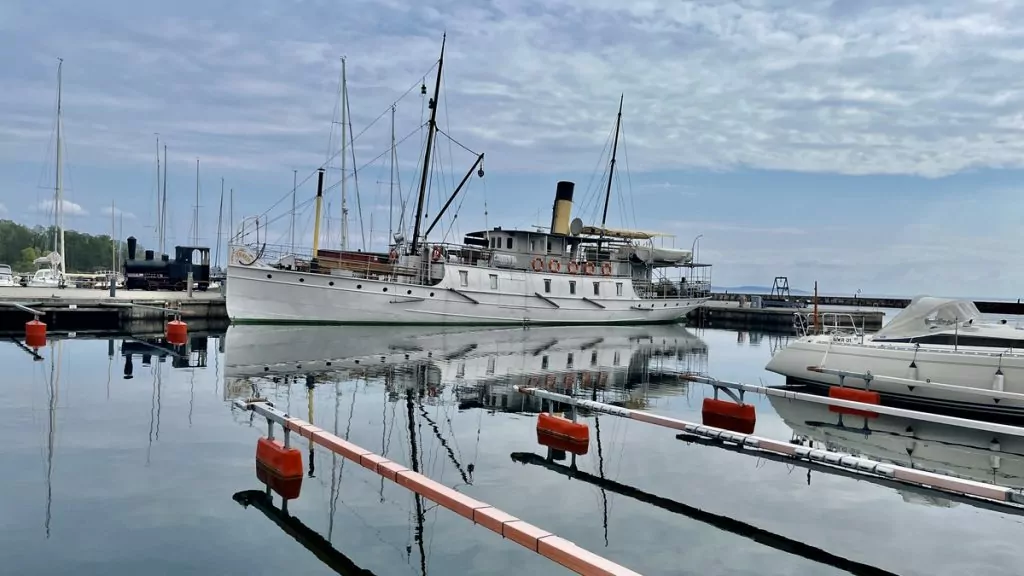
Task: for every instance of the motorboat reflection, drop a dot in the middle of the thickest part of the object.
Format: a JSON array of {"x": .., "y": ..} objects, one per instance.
[{"x": 950, "y": 450}]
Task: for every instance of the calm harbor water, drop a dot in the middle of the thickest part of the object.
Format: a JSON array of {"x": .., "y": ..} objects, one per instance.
[{"x": 109, "y": 474}]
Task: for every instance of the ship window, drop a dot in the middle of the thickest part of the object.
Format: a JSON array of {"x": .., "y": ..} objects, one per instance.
[
  {"x": 572, "y": 286},
  {"x": 616, "y": 359},
  {"x": 533, "y": 245},
  {"x": 568, "y": 361},
  {"x": 549, "y": 246},
  {"x": 463, "y": 278},
  {"x": 508, "y": 243},
  {"x": 547, "y": 285},
  {"x": 492, "y": 242},
  {"x": 618, "y": 288},
  {"x": 593, "y": 358},
  {"x": 490, "y": 365},
  {"x": 494, "y": 281},
  {"x": 597, "y": 288},
  {"x": 544, "y": 363}
]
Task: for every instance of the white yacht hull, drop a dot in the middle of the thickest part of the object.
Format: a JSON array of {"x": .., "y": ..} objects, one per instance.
[
  {"x": 269, "y": 295},
  {"x": 967, "y": 367}
]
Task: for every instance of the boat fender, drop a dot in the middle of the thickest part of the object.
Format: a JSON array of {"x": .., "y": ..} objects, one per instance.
[{"x": 997, "y": 382}]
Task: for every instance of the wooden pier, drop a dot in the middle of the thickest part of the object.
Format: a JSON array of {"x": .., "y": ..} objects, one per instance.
[
  {"x": 86, "y": 310},
  {"x": 731, "y": 315}
]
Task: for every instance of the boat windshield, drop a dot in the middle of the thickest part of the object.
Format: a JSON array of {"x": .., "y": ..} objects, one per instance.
[
  {"x": 927, "y": 314},
  {"x": 5, "y": 270}
]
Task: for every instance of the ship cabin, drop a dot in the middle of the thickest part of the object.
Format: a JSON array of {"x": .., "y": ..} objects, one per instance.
[{"x": 576, "y": 249}]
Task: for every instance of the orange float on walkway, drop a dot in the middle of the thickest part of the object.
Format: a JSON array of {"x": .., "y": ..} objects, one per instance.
[
  {"x": 854, "y": 395},
  {"x": 729, "y": 415},
  {"x": 561, "y": 433},
  {"x": 279, "y": 468},
  {"x": 35, "y": 333}
]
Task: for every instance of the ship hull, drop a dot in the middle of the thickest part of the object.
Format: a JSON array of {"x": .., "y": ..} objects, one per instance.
[{"x": 271, "y": 296}]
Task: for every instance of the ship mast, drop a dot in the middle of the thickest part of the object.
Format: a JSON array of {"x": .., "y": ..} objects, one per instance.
[
  {"x": 611, "y": 175},
  {"x": 431, "y": 130},
  {"x": 344, "y": 149},
  {"x": 59, "y": 185}
]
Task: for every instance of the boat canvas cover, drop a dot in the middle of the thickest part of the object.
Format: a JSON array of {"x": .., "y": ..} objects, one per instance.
[{"x": 927, "y": 314}]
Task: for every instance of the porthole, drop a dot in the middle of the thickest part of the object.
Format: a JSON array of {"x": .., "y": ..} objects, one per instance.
[
  {"x": 302, "y": 279},
  {"x": 385, "y": 288},
  {"x": 359, "y": 286},
  {"x": 431, "y": 294},
  {"x": 330, "y": 283},
  {"x": 408, "y": 291},
  {"x": 270, "y": 275}
]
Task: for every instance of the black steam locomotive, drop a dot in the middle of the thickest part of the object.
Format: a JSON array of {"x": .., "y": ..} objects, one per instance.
[{"x": 151, "y": 273}]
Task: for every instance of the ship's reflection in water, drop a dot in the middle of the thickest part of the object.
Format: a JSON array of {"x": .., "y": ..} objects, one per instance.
[{"x": 624, "y": 365}]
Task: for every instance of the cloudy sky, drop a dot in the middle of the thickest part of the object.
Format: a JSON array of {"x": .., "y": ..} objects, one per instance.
[{"x": 865, "y": 145}]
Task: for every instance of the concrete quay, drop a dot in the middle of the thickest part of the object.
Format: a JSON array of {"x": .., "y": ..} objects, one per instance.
[{"x": 985, "y": 307}]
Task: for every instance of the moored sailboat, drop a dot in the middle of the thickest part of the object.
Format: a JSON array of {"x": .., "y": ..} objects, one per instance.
[{"x": 569, "y": 274}]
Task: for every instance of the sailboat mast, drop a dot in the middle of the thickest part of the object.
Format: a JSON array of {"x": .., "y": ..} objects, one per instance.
[
  {"x": 195, "y": 216},
  {"x": 59, "y": 192},
  {"x": 391, "y": 202},
  {"x": 611, "y": 172},
  {"x": 431, "y": 129},
  {"x": 159, "y": 217},
  {"x": 163, "y": 208},
  {"x": 113, "y": 242},
  {"x": 344, "y": 149},
  {"x": 220, "y": 223}
]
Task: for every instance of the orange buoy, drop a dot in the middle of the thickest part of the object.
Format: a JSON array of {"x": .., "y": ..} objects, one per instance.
[
  {"x": 729, "y": 415},
  {"x": 561, "y": 433},
  {"x": 854, "y": 395},
  {"x": 177, "y": 332},
  {"x": 35, "y": 334},
  {"x": 278, "y": 467}
]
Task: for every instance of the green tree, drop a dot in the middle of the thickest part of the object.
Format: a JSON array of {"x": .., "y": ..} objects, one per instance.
[{"x": 20, "y": 245}]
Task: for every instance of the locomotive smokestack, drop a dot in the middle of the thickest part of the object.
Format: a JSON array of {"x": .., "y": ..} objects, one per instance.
[
  {"x": 149, "y": 254},
  {"x": 562, "y": 208},
  {"x": 132, "y": 243}
]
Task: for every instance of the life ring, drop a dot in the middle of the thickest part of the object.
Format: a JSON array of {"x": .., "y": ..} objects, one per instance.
[
  {"x": 606, "y": 269},
  {"x": 393, "y": 255},
  {"x": 589, "y": 267},
  {"x": 573, "y": 268},
  {"x": 554, "y": 266},
  {"x": 538, "y": 264},
  {"x": 435, "y": 254}
]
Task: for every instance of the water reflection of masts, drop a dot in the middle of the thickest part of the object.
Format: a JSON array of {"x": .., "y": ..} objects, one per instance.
[
  {"x": 310, "y": 540},
  {"x": 338, "y": 469},
  {"x": 57, "y": 350},
  {"x": 154, "y": 406},
  {"x": 600, "y": 463},
  {"x": 444, "y": 443},
  {"x": 415, "y": 460},
  {"x": 725, "y": 523}
]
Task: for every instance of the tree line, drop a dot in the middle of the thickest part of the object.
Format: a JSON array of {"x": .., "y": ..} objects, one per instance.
[{"x": 86, "y": 253}]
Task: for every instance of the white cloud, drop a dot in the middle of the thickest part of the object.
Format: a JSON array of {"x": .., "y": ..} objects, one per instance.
[
  {"x": 113, "y": 210},
  {"x": 3, "y": 209},
  {"x": 69, "y": 208},
  {"x": 917, "y": 87}
]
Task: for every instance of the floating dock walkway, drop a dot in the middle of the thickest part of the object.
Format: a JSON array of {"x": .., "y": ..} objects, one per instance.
[
  {"x": 86, "y": 310},
  {"x": 984, "y": 306},
  {"x": 536, "y": 539}
]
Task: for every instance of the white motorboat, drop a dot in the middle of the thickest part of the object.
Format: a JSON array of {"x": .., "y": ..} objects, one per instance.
[
  {"x": 6, "y": 276},
  {"x": 569, "y": 274},
  {"x": 937, "y": 351}
]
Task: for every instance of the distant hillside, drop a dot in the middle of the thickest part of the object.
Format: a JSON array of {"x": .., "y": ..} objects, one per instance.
[
  {"x": 756, "y": 290},
  {"x": 21, "y": 245}
]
